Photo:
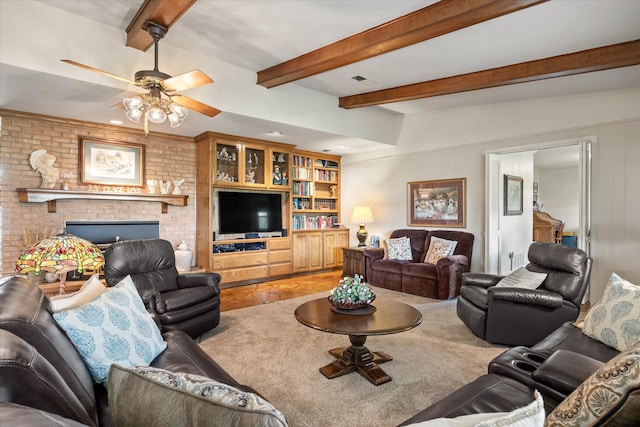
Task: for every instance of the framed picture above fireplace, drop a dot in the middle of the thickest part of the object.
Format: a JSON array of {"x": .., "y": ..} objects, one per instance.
[{"x": 107, "y": 162}]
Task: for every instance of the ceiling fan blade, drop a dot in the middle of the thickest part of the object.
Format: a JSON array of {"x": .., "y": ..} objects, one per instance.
[
  {"x": 194, "y": 105},
  {"x": 118, "y": 105},
  {"x": 184, "y": 81},
  {"x": 86, "y": 67}
]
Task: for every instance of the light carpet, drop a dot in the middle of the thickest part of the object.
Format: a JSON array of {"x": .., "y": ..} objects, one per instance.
[{"x": 266, "y": 348}]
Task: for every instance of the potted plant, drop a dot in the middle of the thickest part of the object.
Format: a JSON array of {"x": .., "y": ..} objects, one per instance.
[{"x": 352, "y": 293}]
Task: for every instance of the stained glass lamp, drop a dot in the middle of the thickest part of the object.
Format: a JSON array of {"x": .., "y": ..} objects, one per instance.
[{"x": 60, "y": 254}]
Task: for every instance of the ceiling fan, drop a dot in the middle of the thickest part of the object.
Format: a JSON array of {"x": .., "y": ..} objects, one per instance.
[{"x": 161, "y": 102}]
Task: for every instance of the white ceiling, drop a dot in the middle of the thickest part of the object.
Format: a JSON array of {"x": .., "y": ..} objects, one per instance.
[{"x": 232, "y": 40}]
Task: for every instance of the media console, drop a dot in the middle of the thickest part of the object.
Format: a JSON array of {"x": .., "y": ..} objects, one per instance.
[{"x": 245, "y": 261}]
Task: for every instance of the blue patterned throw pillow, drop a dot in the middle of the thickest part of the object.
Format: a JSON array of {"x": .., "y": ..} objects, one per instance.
[
  {"x": 113, "y": 328},
  {"x": 615, "y": 318}
]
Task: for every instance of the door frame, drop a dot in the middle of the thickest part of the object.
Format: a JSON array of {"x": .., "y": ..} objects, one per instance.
[{"x": 492, "y": 237}]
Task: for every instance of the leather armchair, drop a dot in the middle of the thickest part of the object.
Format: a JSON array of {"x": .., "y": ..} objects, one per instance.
[
  {"x": 187, "y": 302},
  {"x": 516, "y": 316}
]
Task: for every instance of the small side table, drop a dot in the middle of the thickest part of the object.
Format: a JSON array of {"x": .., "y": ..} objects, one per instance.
[{"x": 353, "y": 262}]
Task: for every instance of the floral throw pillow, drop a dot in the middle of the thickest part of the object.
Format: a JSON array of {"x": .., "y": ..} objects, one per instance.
[
  {"x": 604, "y": 395},
  {"x": 615, "y": 319},
  {"x": 399, "y": 249},
  {"x": 146, "y": 396},
  {"x": 439, "y": 248}
]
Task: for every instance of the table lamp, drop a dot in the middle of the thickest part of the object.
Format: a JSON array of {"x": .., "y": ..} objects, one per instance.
[
  {"x": 362, "y": 215},
  {"x": 60, "y": 254}
]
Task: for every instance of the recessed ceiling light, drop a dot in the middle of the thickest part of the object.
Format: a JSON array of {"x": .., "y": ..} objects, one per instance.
[
  {"x": 115, "y": 122},
  {"x": 343, "y": 146}
]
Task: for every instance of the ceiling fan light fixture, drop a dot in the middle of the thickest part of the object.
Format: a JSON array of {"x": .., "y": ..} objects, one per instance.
[
  {"x": 134, "y": 115},
  {"x": 156, "y": 115},
  {"x": 174, "y": 120},
  {"x": 132, "y": 103},
  {"x": 178, "y": 110}
]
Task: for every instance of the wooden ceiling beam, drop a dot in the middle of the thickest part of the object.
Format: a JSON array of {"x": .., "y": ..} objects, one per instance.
[
  {"x": 162, "y": 12},
  {"x": 432, "y": 21},
  {"x": 586, "y": 61}
]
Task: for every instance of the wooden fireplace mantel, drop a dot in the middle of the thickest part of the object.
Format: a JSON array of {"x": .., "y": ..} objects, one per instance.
[{"x": 40, "y": 195}]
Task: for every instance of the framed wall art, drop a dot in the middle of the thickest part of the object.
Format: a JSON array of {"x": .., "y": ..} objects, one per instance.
[
  {"x": 106, "y": 162},
  {"x": 440, "y": 203},
  {"x": 512, "y": 195}
]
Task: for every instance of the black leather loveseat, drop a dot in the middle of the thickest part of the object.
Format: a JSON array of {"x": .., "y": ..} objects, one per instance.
[
  {"x": 42, "y": 375},
  {"x": 556, "y": 366}
]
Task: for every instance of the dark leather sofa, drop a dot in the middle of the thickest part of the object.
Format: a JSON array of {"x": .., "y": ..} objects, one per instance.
[
  {"x": 441, "y": 280},
  {"x": 555, "y": 366},
  {"x": 43, "y": 378}
]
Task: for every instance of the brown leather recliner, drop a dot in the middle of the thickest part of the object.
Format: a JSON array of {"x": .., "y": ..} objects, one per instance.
[
  {"x": 516, "y": 316},
  {"x": 187, "y": 302}
]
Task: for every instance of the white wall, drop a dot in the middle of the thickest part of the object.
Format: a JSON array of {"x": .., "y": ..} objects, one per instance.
[
  {"x": 516, "y": 230},
  {"x": 381, "y": 181},
  {"x": 559, "y": 193}
]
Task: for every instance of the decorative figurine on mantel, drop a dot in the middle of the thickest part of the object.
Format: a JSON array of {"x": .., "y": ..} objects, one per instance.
[
  {"x": 177, "y": 186},
  {"x": 43, "y": 163},
  {"x": 65, "y": 176},
  {"x": 165, "y": 186},
  {"x": 152, "y": 185}
]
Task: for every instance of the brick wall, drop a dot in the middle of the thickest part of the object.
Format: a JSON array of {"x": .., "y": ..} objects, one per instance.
[{"x": 167, "y": 157}]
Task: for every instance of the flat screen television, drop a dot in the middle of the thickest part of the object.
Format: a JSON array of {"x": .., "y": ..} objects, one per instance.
[{"x": 240, "y": 212}]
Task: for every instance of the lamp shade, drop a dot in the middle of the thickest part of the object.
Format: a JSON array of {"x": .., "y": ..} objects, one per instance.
[
  {"x": 59, "y": 254},
  {"x": 362, "y": 215}
]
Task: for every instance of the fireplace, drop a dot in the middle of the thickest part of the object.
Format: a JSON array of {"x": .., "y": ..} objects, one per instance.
[{"x": 104, "y": 233}]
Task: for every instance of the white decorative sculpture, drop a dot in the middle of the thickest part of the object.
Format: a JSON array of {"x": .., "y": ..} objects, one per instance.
[
  {"x": 43, "y": 163},
  {"x": 165, "y": 186},
  {"x": 152, "y": 184},
  {"x": 177, "y": 186}
]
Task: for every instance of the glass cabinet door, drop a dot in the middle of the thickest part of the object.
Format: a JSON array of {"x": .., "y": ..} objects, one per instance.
[
  {"x": 227, "y": 159},
  {"x": 280, "y": 168},
  {"x": 254, "y": 169}
]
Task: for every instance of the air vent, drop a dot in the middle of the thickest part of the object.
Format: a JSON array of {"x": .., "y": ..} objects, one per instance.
[{"x": 359, "y": 78}]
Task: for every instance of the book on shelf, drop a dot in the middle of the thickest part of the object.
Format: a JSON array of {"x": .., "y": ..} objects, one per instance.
[{"x": 313, "y": 222}]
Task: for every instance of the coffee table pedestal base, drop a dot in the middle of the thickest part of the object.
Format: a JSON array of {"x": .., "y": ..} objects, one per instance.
[{"x": 357, "y": 357}]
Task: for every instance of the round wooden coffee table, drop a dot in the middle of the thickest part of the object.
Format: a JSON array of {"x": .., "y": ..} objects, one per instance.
[{"x": 389, "y": 317}]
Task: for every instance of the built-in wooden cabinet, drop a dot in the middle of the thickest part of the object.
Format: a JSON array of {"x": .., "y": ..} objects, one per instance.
[
  {"x": 307, "y": 251},
  {"x": 318, "y": 249},
  {"x": 333, "y": 242},
  {"x": 239, "y": 163},
  {"x": 309, "y": 183},
  {"x": 248, "y": 260}
]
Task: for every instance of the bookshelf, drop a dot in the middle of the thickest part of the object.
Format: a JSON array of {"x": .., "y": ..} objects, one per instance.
[{"x": 315, "y": 191}]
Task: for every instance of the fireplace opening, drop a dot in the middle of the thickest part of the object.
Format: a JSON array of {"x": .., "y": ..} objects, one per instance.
[{"x": 104, "y": 233}]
